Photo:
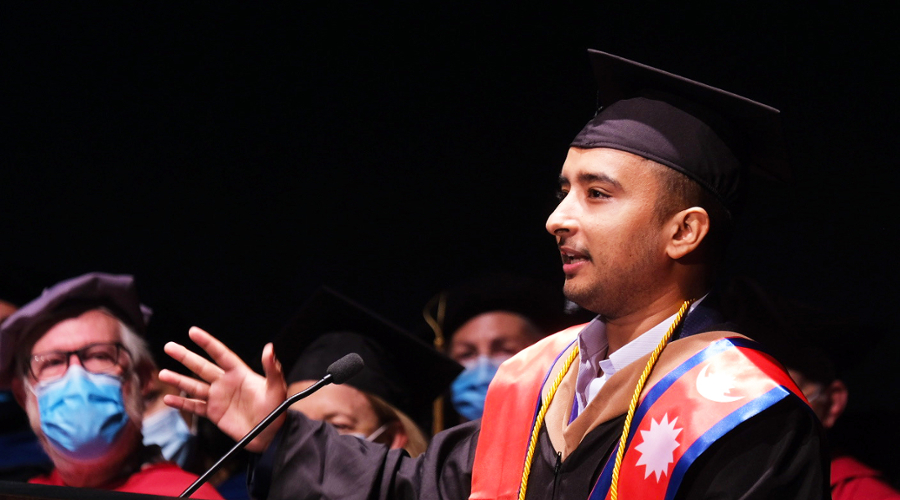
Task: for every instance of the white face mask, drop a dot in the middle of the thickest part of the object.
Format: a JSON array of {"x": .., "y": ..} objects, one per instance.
[
  {"x": 168, "y": 430},
  {"x": 371, "y": 437}
]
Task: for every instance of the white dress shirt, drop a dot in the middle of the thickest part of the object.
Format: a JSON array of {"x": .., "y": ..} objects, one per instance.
[{"x": 596, "y": 367}]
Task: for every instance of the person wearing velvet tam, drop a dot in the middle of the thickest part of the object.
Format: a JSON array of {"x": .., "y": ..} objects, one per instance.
[
  {"x": 647, "y": 195},
  {"x": 76, "y": 361},
  {"x": 390, "y": 400}
]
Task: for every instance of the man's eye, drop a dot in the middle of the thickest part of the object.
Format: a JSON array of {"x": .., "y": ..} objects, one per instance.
[
  {"x": 51, "y": 362},
  {"x": 98, "y": 356},
  {"x": 596, "y": 193},
  {"x": 463, "y": 353},
  {"x": 561, "y": 194}
]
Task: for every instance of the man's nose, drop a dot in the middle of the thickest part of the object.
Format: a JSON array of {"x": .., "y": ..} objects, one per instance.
[
  {"x": 74, "y": 359},
  {"x": 561, "y": 220}
]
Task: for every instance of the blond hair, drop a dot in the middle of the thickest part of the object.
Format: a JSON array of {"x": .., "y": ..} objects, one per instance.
[{"x": 390, "y": 415}]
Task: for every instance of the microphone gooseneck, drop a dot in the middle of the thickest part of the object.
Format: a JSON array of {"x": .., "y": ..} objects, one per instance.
[{"x": 337, "y": 373}]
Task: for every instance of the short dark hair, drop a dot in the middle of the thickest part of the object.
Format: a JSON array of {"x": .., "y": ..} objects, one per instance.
[{"x": 681, "y": 192}]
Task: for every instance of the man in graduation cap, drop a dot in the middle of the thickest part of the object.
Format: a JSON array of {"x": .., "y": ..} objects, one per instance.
[
  {"x": 390, "y": 400},
  {"x": 653, "y": 398}
]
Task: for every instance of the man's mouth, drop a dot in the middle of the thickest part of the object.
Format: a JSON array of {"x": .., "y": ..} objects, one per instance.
[{"x": 572, "y": 256}]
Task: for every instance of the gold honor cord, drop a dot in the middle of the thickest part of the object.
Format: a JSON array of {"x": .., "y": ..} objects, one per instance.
[
  {"x": 620, "y": 452},
  {"x": 545, "y": 405}
]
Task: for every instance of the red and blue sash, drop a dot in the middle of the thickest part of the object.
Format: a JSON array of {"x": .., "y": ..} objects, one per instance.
[
  {"x": 689, "y": 409},
  {"x": 512, "y": 403},
  {"x": 733, "y": 370}
]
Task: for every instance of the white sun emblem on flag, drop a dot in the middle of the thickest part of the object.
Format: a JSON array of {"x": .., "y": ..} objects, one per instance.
[
  {"x": 716, "y": 386},
  {"x": 659, "y": 443}
]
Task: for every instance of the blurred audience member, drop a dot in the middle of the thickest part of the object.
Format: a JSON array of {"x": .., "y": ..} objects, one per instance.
[
  {"x": 165, "y": 426},
  {"x": 390, "y": 400},
  {"x": 6, "y": 310},
  {"x": 486, "y": 320},
  {"x": 787, "y": 330},
  {"x": 21, "y": 456},
  {"x": 827, "y": 395},
  {"x": 77, "y": 363}
]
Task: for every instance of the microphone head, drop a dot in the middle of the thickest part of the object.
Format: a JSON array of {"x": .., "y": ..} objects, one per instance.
[{"x": 345, "y": 368}]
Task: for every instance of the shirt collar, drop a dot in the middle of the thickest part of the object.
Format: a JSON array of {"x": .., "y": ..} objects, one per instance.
[{"x": 593, "y": 344}]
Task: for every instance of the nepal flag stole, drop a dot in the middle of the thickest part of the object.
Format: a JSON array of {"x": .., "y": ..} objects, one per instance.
[{"x": 691, "y": 407}]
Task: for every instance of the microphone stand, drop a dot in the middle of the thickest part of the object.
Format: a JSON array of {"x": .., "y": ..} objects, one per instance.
[{"x": 327, "y": 379}]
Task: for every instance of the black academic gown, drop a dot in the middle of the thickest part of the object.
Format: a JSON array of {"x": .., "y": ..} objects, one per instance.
[{"x": 777, "y": 454}]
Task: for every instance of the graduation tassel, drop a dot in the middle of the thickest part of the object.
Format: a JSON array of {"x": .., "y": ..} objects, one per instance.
[{"x": 437, "y": 421}]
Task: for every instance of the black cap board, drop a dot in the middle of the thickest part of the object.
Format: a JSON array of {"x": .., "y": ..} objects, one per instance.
[
  {"x": 706, "y": 133},
  {"x": 403, "y": 370}
]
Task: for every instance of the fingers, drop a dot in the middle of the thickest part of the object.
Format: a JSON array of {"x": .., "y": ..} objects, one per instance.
[
  {"x": 185, "y": 384},
  {"x": 222, "y": 355},
  {"x": 271, "y": 365},
  {"x": 194, "y": 406},
  {"x": 272, "y": 369},
  {"x": 193, "y": 362}
]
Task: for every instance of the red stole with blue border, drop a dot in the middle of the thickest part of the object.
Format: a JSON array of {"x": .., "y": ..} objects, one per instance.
[{"x": 708, "y": 393}]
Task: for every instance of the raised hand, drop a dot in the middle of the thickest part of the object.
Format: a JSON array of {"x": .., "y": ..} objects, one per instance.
[{"x": 229, "y": 393}]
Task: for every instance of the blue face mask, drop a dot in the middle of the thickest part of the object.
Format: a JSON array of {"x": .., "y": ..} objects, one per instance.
[
  {"x": 82, "y": 413},
  {"x": 470, "y": 387},
  {"x": 168, "y": 430}
]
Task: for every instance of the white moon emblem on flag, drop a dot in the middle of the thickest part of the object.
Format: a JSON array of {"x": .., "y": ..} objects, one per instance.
[{"x": 715, "y": 386}]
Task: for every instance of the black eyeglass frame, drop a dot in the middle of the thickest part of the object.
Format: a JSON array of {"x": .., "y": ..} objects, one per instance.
[{"x": 80, "y": 353}]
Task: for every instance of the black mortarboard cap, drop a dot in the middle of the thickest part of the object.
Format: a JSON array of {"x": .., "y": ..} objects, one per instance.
[
  {"x": 706, "y": 133},
  {"x": 401, "y": 369}
]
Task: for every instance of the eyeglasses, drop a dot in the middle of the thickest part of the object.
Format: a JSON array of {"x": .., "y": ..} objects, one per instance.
[{"x": 100, "y": 357}]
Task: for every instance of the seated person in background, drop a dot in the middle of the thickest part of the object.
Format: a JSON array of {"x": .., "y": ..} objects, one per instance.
[
  {"x": 165, "y": 426},
  {"x": 6, "y": 310},
  {"x": 21, "y": 456},
  {"x": 486, "y": 320},
  {"x": 390, "y": 401},
  {"x": 786, "y": 327},
  {"x": 78, "y": 365},
  {"x": 827, "y": 395}
]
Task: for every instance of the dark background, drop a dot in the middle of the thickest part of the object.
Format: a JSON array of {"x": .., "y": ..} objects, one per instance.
[{"x": 234, "y": 157}]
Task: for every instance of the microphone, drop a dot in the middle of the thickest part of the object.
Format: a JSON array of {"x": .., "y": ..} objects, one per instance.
[
  {"x": 345, "y": 368},
  {"x": 338, "y": 372}
]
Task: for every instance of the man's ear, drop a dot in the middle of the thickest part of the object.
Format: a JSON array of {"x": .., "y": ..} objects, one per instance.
[
  {"x": 688, "y": 228},
  {"x": 147, "y": 373},
  {"x": 836, "y": 395},
  {"x": 400, "y": 438}
]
